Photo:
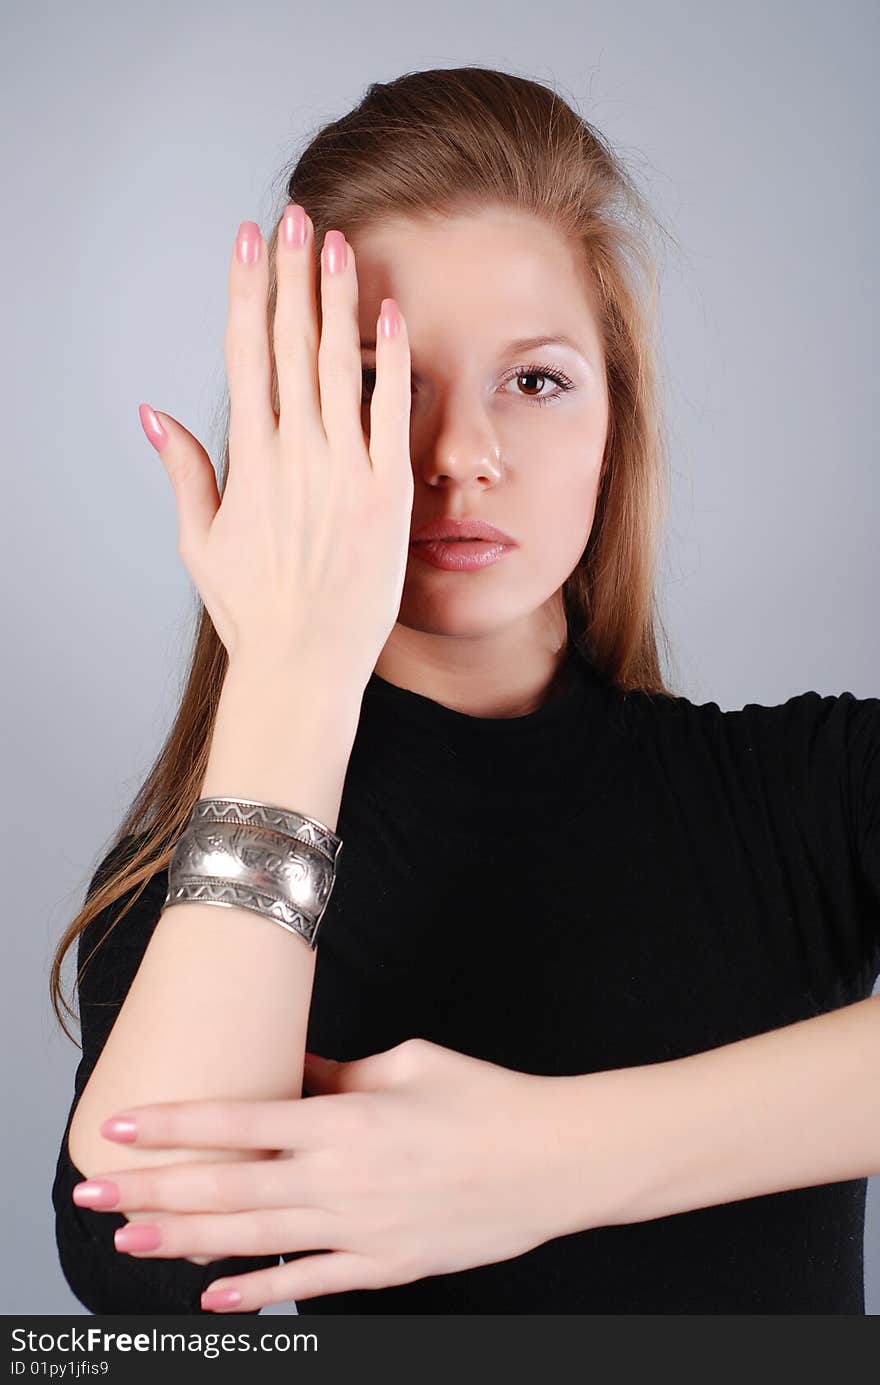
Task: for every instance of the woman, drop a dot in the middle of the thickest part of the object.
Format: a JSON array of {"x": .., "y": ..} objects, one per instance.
[{"x": 597, "y": 964}]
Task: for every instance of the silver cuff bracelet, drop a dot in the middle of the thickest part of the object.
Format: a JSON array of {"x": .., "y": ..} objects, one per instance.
[{"x": 248, "y": 855}]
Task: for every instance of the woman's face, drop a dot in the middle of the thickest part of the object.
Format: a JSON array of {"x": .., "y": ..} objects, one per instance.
[{"x": 508, "y": 423}]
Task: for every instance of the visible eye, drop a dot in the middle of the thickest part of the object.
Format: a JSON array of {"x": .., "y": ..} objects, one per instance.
[
  {"x": 530, "y": 376},
  {"x": 527, "y": 375}
]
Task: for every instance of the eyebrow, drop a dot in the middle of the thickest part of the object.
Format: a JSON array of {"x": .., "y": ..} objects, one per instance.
[
  {"x": 551, "y": 339},
  {"x": 521, "y": 344}
]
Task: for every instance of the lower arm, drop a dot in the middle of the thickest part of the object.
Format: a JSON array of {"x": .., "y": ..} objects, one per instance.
[
  {"x": 792, "y": 1108},
  {"x": 219, "y": 1005}
]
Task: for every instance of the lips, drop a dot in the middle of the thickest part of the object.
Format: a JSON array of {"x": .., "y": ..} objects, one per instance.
[{"x": 461, "y": 529}]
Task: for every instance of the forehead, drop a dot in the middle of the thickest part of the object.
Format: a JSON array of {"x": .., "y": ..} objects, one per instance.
[{"x": 489, "y": 271}]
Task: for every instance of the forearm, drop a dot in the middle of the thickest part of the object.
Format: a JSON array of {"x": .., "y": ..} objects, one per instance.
[
  {"x": 791, "y": 1108},
  {"x": 220, "y": 1003}
]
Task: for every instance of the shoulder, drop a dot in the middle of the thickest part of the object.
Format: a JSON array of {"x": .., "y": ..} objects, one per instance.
[
  {"x": 825, "y": 736},
  {"x": 806, "y": 768},
  {"x": 833, "y": 713}
]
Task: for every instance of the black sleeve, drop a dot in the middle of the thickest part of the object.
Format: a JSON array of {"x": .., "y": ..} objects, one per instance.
[
  {"x": 104, "y": 1279},
  {"x": 863, "y": 753},
  {"x": 831, "y": 764}
]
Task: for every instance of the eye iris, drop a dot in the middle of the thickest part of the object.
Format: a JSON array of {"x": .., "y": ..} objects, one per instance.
[{"x": 533, "y": 375}]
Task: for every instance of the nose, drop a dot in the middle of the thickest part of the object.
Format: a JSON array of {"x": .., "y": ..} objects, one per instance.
[{"x": 462, "y": 449}]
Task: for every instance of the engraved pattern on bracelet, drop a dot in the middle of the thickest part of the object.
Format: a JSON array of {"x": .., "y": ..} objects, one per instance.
[
  {"x": 248, "y": 811},
  {"x": 238, "y": 896},
  {"x": 266, "y": 860},
  {"x": 240, "y": 853}
]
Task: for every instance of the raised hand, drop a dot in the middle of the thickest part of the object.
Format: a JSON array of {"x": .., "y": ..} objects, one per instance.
[{"x": 306, "y": 553}]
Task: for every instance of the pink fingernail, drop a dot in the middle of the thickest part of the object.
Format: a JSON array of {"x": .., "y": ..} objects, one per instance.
[
  {"x": 294, "y": 226},
  {"x": 119, "y": 1128},
  {"x": 152, "y": 427},
  {"x": 220, "y": 1298},
  {"x": 333, "y": 254},
  {"x": 247, "y": 242},
  {"x": 389, "y": 318},
  {"x": 98, "y": 1192},
  {"x": 137, "y": 1236}
]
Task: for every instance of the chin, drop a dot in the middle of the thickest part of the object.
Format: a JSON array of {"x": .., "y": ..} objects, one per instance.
[{"x": 463, "y": 616}]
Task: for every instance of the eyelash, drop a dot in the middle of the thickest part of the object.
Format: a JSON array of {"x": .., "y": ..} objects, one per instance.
[
  {"x": 548, "y": 373},
  {"x": 545, "y": 371}
]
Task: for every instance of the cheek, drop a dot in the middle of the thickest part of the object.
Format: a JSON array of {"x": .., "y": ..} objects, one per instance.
[
  {"x": 558, "y": 507},
  {"x": 558, "y": 461}
]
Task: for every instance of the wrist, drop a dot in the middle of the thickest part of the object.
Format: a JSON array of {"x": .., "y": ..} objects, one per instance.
[
  {"x": 317, "y": 683},
  {"x": 603, "y": 1146},
  {"x": 283, "y": 739}
]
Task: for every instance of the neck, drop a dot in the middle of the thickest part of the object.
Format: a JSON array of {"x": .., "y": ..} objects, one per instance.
[{"x": 471, "y": 677}]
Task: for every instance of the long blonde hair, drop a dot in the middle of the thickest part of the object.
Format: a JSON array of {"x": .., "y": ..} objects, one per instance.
[{"x": 440, "y": 141}]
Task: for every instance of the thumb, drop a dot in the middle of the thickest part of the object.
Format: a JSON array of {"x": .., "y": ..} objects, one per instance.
[{"x": 191, "y": 473}]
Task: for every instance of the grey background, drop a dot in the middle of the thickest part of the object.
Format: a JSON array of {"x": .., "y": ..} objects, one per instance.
[{"x": 139, "y": 138}]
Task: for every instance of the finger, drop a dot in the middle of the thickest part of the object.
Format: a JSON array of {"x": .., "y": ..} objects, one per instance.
[
  {"x": 295, "y": 329},
  {"x": 392, "y": 394},
  {"x": 192, "y": 477},
  {"x": 246, "y": 347},
  {"x": 339, "y": 351},
  {"x": 244, "y": 1124},
  {"x": 200, "y": 1187},
  {"x": 330, "y": 1273},
  {"x": 268, "y": 1231}
]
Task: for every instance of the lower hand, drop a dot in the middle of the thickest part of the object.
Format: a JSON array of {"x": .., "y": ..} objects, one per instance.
[{"x": 412, "y": 1162}]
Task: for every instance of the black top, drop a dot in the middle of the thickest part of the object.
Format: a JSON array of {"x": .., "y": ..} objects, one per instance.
[{"x": 613, "y": 879}]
